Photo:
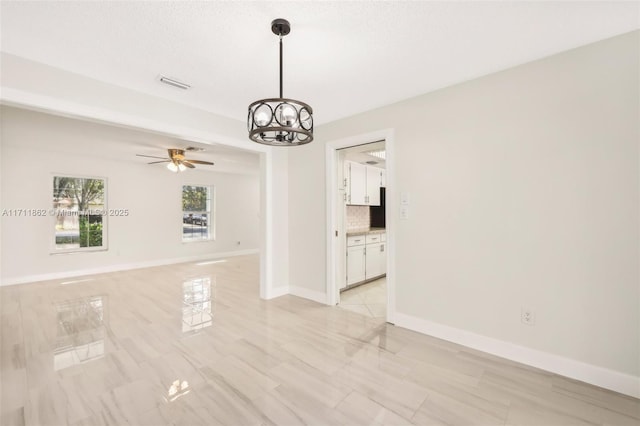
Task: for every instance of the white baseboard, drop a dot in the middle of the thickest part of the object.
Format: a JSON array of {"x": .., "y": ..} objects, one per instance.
[
  {"x": 305, "y": 293},
  {"x": 121, "y": 267},
  {"x": 598, "y": 376},
  {"x": 277, "y": 292}
]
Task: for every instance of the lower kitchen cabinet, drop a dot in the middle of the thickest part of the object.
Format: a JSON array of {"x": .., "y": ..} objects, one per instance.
[
  {"x": 356, "y": 264},
  {"x": 366, "y": 258},
  {"x": 376, "y": 260}
]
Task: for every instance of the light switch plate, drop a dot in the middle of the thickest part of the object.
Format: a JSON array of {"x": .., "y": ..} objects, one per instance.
[
  {"x": 404, "y": 198},
  {"x": 404, "y": 212}
]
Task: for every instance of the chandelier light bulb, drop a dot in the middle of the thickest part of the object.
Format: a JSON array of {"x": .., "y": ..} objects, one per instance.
[
  {"x": 288, "y": 115},
  {"x": 262, "y": 119}
]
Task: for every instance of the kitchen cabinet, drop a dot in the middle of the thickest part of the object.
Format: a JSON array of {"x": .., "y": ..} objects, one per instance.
[
  {"x": 356, "y": 264},
  {"x": 356, "y": 259},
  {"x": 373, "y": 186},
  {"x": 356, "y": 183},
  {"x": 366, "y": 257},
  {"x": 362, "y": 183},
  {"x": 376, "y": 260}
]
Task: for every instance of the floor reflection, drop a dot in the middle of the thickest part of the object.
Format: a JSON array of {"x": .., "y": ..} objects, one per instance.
[
  {"x": 197, "y": 299},
  {"x": 80, "y": 331},
  {"x": 177, "y": 389}
]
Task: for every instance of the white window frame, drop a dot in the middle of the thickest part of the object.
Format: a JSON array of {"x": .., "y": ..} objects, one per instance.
[
  {"x": 54, "y": 211},
  {"x": 210, "y": 212}
]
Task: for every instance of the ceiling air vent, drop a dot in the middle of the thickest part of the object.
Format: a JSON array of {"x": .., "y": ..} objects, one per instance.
[
  {"x": 174, "y": 83},
  {"x": 381, "y": 154}
]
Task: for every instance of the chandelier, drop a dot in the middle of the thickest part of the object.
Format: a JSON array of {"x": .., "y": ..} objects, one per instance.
[{"x": 280, "y": 121}]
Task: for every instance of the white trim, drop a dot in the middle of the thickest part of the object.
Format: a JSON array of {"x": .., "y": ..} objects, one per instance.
[
  {"x": 332, "y": 223},
  {"x": 266, "y": 226},
  {"x": 592, "y": 374},
  {"x": 122, "y": 267},
  {"x": 331, "y": 297},
  {"x": 305, "y": 293},
  {"x": 277, "y": 292}
]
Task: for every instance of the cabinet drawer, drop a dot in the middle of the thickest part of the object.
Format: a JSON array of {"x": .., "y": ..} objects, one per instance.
[
  {"x": 356, "y": 240},
  {"x": 374, "y": 238}
]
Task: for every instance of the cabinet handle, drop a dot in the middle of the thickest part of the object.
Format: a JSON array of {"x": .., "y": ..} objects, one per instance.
[
  {"x": 345, "y": 183},
  {"x": 382, "y": 247}
]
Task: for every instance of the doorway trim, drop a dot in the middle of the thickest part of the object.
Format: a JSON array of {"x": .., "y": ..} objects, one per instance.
[{"x": 332, "y": 212}]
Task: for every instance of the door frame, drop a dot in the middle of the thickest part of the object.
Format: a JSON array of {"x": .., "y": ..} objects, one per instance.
[{"x": 333, "y": 223}]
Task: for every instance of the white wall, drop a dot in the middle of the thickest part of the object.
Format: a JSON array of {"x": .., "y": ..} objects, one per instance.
[
  {"x": 524, "y": 192},
  {"x": 37, "y": 145}
]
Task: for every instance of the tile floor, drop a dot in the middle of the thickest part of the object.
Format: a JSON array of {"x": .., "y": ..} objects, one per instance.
[
  {"x": 368, "y": 299},
  {"x": 193, "y": 344}
]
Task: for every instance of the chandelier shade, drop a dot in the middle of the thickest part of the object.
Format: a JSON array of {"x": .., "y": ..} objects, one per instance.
[{"x": 280, "y": 121}]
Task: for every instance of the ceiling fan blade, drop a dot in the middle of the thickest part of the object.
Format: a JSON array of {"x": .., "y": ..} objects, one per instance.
[
  {"x": 188, "y": 164},
  {"x": 156, "y": 162},
  {"x": 150, "y": 156},
  {"x": 201, "y": 162}
]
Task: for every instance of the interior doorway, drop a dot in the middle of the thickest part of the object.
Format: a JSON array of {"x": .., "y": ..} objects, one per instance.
[
  {"x": 362, "y": 286},
  {"x": 359, "y": 258}
]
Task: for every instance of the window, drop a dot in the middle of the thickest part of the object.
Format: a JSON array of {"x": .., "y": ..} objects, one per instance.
[
  {"x": 196, "y": 213},
  {"x": 79, "y": 206}
]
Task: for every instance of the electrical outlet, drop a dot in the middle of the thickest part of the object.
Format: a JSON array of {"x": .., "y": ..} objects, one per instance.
[{"x": 528, "y": 317}]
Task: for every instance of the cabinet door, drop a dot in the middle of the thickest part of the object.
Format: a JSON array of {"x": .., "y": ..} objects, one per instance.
[
  {"x": 373, "y": 186},
  {"x": 343, "y": 183},
  {"x": 355, "y": 264},
  {"x": 375, "y": 254},
  {"x": 357, "y": 183}
]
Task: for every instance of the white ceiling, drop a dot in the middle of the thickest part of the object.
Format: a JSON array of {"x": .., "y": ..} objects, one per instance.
[
  {"x": 341, "y": 57},
  {"x": 360, "y": 154}
]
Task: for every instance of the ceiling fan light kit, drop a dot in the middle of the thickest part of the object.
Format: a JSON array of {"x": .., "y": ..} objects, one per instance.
[
  {"x": 280, "y": 121},
  {"x": 176, "y": 167}
]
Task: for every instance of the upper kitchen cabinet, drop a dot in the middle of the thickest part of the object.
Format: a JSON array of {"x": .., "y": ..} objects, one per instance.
[
  {"x": 363, "y": 184},
  {"x": 374, "y": 181},
  {"x": 356, "y": 175}
]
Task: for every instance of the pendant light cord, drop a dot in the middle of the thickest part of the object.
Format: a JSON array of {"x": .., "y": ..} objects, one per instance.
[{"x": 280, "y": 66}]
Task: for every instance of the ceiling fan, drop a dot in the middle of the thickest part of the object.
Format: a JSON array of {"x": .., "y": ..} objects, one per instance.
[{"x": 177, "y": 161}]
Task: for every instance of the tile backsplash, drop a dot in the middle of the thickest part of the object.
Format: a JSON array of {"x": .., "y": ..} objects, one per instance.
[{"x": 357, "y": 218}]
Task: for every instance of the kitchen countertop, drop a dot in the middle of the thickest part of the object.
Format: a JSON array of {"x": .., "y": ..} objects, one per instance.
[{"x": 366, "y": 231}]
